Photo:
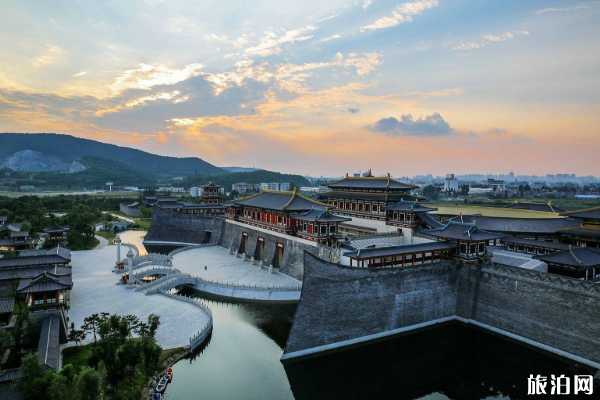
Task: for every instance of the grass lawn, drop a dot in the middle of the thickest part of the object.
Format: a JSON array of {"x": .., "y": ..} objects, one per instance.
[
  {"x": 95, "y": 242},
  {"x": 567, "y": 204},
  {"x": 108, "y": 235}
]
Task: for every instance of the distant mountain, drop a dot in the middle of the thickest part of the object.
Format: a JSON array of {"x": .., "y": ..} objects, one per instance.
[
  {"x": 241, "y": 169},
  {"x": 50, "y": 151}
]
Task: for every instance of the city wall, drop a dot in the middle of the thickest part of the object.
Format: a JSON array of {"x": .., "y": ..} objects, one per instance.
[
  {"x": 342, "y": 306},
  {"x": 170, "y": 227}
]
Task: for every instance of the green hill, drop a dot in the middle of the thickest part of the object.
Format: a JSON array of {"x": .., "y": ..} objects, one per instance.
[
  {"x": 249, "y": 177},
  {"x": 68, "y": 148}
]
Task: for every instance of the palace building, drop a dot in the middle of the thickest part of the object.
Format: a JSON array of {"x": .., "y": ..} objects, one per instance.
[
  {"x": 471, "y": 242},
  {"x": 366, "y": 197},
  {"x": 212, "y": 193},
  {"x": 289, "y": 213},
  {"x": 587, "y": 234},
  {"x": 405, "y": 214},
  {"x": 575, "y": 262}
]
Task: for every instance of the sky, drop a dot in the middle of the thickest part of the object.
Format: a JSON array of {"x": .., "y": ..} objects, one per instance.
[{"x": 314, "y": 87}]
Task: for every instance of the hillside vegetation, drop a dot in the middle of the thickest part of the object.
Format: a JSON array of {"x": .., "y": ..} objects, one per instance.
[
  {"x": 249, "y": 177},
  {"x": 68, "y": 148}
]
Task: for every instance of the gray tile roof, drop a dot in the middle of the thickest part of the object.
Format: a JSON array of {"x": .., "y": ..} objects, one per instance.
[
  {"x": 381, "y": 183},
  {"x": 573, "y": 257},
  {"x": 44, "y": 282},
  {"x": 56, "y": 229},
  {"x": 462, "y": 231},
  {"x": 9, "y": 375},
  {"x": 410, "y": 206},
  {"x": 49, "y": 344},
  {"x": 518, "y": 225},
  {"x": 369, "y": 196},
  {"x": 430, "y": 221},
  {"x": 19, "y": 234},
  {"x": 7, "y": 305},
  {"x": 536, "y": 243},
  {"x": 280, "y": 201},
  {"x": 21, "y": 273},
  {"x": 581, "y": 232},
  {"x": 3, "y": 218},
  {"x": 58, "y": 255},
  {"x": 589, "y": 213},
  {"x": 399, "y": 250},
  {"x": 543, "y": 207},
  {"x": 319, "y": 215}
]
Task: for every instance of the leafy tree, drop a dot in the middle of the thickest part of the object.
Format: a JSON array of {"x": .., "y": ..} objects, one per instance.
[
  {"x": 33, "y": 381},
  {"x": 91, "y": 323},
  {"x": 131, "y": 355},
  {"x": 88, "y": 384},
  {"x": 431, "y": 192},
  {"x": 77, "y": 336}
]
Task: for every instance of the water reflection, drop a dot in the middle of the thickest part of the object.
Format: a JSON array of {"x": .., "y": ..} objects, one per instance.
[{"x": 451, "y": 362}]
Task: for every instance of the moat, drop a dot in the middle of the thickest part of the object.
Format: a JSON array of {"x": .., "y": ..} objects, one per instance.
[{"x": 241, "y": 361}]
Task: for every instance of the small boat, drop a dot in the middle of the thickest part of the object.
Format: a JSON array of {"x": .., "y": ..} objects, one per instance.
[
  {"x": 158, "y": 396},
  {"x": 162, "y": 384},
  {"x": 169, "y": 373}
]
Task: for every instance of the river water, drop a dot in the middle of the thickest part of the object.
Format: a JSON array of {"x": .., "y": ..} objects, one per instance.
[{"x": 241, "y": 361}]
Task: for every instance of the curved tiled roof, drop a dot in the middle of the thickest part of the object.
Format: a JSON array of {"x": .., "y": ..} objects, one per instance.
[
  {"x": 543, "y": 207},
  {"x": 518, "y": 225},
  {"x": 280, "y": 201},
  {"x": 44, "y": 282},
  {"x": 370, "y": 196},
  {"x": 412, "y": 206},
  {"x": 319, "y": 215},
  {"x": 573, "y": 257},
  {"x": 392, "y": 251},
  {"x": 461, "y": 231},
  {"x": 369, "y": 182},
  {"x": 430, "y": 221},
  {"x": 588, "y": 213}
]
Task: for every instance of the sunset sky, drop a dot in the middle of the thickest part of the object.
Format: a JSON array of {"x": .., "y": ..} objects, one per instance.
[{"x": 314, "y": 87}]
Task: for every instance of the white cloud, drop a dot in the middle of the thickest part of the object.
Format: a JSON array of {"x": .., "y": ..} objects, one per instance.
[
  {"x": 364, "y": 65},
  {"x": 326, "y": 18},
  {"x": 269, "y": 44},
  {"x": 367, "y": 3},
  {"x": 468, "y": 46},
  {"x": 180, "y": 26},
  {"x": 148, "y": 76},
  {"x": 78, "y": 74},
  {"x": 48, "y": 57},
  {"x": 552, "y": 9},
  {"x": 402, "y": 13},
  {"x": 331, "y": 38}
]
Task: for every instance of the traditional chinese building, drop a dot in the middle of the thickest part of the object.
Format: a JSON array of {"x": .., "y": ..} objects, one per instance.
[
  {"x": 46, "y": 290},
  {"x": 212, "y": 193},
  {"x": 204, "y": 209},
  {"x": 587, "y": 234},
  {"x": 404, "y": 214},
  {"x": 575, "y": 262},
  {"x": 403, "y": 255},
  {"x": 543, "y": 207},
  {"x": 286, "y": 212},
  {"x": 56, "y": 235},
  {"x": 471, "y": 242},
  {"x": 318, "y": 225},
  {"x": 366, "y": 197}
]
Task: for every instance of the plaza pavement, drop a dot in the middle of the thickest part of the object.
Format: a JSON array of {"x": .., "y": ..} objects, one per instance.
[{"x": 223, "y": 267}]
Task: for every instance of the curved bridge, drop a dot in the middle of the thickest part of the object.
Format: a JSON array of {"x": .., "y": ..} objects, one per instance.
[{"x": 155, "y": 271}]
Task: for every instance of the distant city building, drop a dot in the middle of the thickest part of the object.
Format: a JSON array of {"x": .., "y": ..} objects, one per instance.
[
  {"x": 275, "y": 186},
  {"x": 495, "y": 183},
  {"x": 245, "y": 188},
  {"x": 195, "y": 191},
  {"x": 171, "y": 189},
  {"x": 451, "y": 183}
]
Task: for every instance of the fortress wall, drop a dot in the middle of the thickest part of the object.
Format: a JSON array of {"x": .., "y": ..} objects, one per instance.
[
  {"x": 175, "y": 227},
  {"x": 342, "y": 303},
  {"x": 293, "y": 253},
  {"x": 548, "y": 309},
  {"x": 343, "y": 306}
]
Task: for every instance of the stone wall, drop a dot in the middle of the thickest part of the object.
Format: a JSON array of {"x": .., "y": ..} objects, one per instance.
[
  {"x": 175, "y": 227},
  {"x": 342, "y": 304},
  {"x": 292, "y": 263}
]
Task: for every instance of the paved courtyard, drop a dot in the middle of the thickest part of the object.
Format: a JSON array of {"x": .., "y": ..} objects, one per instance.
[
  {"x": 223, "y": 267},
  {"x": 95, "y": 291}
]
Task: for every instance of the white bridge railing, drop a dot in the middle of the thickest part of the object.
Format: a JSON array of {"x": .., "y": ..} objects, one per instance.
[
  {"x": 241, "y": 286},
  {"x": 198, "y": 338}
]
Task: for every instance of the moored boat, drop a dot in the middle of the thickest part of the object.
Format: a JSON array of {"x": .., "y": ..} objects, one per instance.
[
  {"x": 169, "y": 373},
  {"x": 162, "y": 384}
]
